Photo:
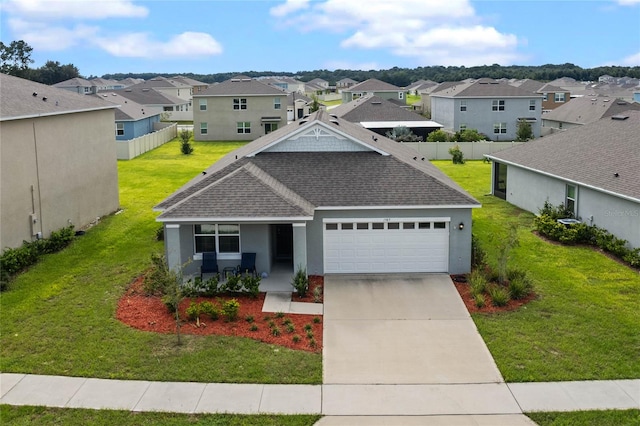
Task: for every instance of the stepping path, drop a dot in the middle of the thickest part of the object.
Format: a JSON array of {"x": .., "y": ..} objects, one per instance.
[{"x": 280, "y": 301}]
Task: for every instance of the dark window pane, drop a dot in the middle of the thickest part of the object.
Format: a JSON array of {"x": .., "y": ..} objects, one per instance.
[
  {"x": 331, "y": 226},
  {"x": 377, "y": 225},
  {"x": 439, "y": 225},
  {"x": 393, "y": 225},
  {"x": 362, "y": 226},
  {"x": 229, "y": 244},
  {"x": 408, "y": 225},
  {"x": 347, "y": 226},
  {"x": 205, "y": 243},
  {"x": 424, "y": 225}
]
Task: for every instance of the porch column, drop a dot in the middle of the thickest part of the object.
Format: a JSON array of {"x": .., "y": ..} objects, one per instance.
[
  {"x": 299, "y": 246},
  {"x": 172, "y": 246}
]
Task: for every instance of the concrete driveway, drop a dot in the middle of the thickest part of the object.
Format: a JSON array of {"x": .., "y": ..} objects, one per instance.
[{"x": 401, "y": 329}]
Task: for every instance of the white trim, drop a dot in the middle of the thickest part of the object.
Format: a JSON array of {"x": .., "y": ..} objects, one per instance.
[
  {"x": 49, "y": 114},
  {"x": 200, "y": 220},
  {"x": 386, "y": 219},
  {"x": 299, "y": 225},
  {"x": 444, "y": 206},
  {"x": 220, "y": 256},
  {"x": 585, "y": 185},
  {"x": 172, "y": 226}
]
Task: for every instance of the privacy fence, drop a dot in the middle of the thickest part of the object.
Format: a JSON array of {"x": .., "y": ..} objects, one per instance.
[{"x": 163, "y": 133}]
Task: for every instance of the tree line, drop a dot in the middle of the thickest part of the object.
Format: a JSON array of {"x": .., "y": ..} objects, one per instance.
[{"x": 15, "y": 59}]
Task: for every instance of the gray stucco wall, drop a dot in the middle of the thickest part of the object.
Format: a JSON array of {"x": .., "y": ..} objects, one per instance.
[
  {"x": 459, "y": 241},
  {"x": 529, "y": 190}
]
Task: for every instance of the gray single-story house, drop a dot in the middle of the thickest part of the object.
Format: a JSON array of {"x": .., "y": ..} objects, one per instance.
[
  {"x": 326, "y": 195},
  {"x": 592, "y": 169}
]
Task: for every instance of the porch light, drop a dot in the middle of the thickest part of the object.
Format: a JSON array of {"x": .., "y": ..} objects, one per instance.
[{"x": 461, "y": 226}]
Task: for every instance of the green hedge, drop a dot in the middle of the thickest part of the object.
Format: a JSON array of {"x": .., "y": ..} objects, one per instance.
[{"x": 15, "y": 260}]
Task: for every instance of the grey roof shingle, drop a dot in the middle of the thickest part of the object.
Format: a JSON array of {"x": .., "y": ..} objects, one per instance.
[
  {"x": 374, "y": 108},
  {"x": 147, "y": 96},
  {"x": 588, "y": 109},
  {"x": 241, "y": 85},
  {"x": 17, "y": 99},
  {"x": 309, "y": 180},
  {"x": 373, "y": 85},
  {"x": 481, "y": 88},
  {"x": 128, "y": 110},
  {"x": 160, "y": 82},
  {"x": 589, "y": 154}
]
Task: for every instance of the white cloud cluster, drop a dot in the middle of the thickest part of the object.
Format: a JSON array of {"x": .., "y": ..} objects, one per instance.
[
  {"x": 631, "y": 60},
  {"x": 53, "y": 25},
  {"x": 436, "y": 32}
]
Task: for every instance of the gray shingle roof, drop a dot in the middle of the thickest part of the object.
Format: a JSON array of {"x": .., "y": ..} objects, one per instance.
[
  {"x": 589, "y": 155},
  {"x": 160, "y": 82},
  {"x": 374, "y": 108},
  {"x": 128, "y": 110},
  {"x": 241, "y": 85},
  {"x": 281, "y": 181},
  {"x": 147, "y": 96},
  {"x": 373, "y": 85},
  {"x": 17, "y": 99},
  {"x": 588, "y": 109},
  {"x": 481, "y": 88}
]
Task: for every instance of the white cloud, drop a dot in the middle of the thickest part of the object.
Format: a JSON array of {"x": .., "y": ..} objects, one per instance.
[
  {"x": 444, "y": 32},
  {"x": 288, "y": 7},
  {"x": 47, "y": 37},
  {"x": 74, "y": 9},
  {"x": 141, "y": 45},
  {"x": 628, "y": 2},
  {"x": 631, "y": 61}
]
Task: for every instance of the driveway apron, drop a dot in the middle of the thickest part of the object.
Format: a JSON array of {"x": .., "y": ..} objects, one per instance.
[{"x": 401, "y": 329}]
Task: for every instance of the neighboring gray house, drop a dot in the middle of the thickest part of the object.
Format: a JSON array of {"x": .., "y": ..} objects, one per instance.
[
  {"x": 592, "y": 169},
  {"x": 240, "y": 108},
  {"x": 326, "y": 195},
  {"x": 580, "y": 111},
  {"x": 381, "y": 116},
  {"x": 374, "y": 87},
  {"x": 493, "y": 108},
  {"x": 345, "y": 83},
  {"x": 88, "y": 87}
]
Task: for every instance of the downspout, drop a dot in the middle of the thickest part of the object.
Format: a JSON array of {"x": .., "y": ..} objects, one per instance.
[{"x": 35, "y": 147}]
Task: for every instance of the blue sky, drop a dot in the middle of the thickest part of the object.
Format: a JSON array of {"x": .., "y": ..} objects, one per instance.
[{"x": 205, "y": 36}]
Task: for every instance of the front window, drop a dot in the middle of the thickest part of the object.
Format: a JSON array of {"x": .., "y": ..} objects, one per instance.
[
  {"x": 559, "y": 97},
  {"x": 532, "y": 105},
  {"x": 270, "y": 127},
  {"x": 571, "y": 198},
  {"x": 204, "y": 128},
  {"x": 240, "y": 103},
  {"x": 545, "y": 97},
  {"x": 500, "y": 128},
  {"x": 203, "y": 104},
  {"x": 221, "y": 238},
  {"x": 276, "y": 103},
  {"x": 463, "y": 106},
  {"x": 497, "y": 105},
  {"x": 243, "y": 127},
  {"x": 119, "y": 129}
]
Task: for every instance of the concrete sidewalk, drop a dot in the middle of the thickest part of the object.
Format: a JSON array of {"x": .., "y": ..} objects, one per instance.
[{"x": 461, "y": 400}]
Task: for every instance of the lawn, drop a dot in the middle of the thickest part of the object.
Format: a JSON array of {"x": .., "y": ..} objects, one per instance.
[
  {"x": 588, "y": 418},
  {"x": 585, "y": 323},
  {"x": 28, "y": 415},
  {"x": 58, "y": 318}
]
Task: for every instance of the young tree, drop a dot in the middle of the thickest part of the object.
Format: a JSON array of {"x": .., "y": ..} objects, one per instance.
[
  {"x": 524, "y": 132},
  {"x": 438, "y": 136},
  {"x": 15, "y": 58},
  {"x": 315, "y": 104},
  {"x": 185, "y": 144},
  {"x": 403, "y": 134}
]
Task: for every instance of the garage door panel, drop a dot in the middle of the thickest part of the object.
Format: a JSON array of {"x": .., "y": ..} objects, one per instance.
[{"x": 408, "y": 249}]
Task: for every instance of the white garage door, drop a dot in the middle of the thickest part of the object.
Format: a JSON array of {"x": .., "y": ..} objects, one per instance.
[{"x": 386, "y": 245}]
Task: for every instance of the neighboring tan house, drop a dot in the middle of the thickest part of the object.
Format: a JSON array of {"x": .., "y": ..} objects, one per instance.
[
  {"x": 132, "y": 119},
  {"x": 57, "y": 160},
  {"x": 345, "y": 83},
  {"x": 493, "y": 108},
  {"x": 591, "y": 169},
  {"x": 170, "y": 88},
  {"x": 240, "y": 108},
  {"x": 320, "y": 82},
  {"x": 288, "y": 84},
  {"x": 552, "y": 96},
  {"x": 382, "y": 116},
  {"x": 374, "y": 87},
  {"x": 171, "y": 106},
  {"x": 196, "y": 86},
  {"x": 325, "y": 195},
  {"x": 580, "y": 111}
]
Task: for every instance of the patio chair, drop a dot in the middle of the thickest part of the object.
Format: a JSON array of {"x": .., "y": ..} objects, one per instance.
[
  {"x": 209, "y": 264},
  {"x": 247, "y": 264}
]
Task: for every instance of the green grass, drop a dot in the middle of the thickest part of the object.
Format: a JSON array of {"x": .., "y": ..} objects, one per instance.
[
  {"x": 28, "y": 415},
  {"x": 588, "y": 418},
  {"x": 59, "y": 317},
  {"x": 411, "y": 99},
  {"x": 585, "y": 323},
  {"x": 332, "y": 103}
]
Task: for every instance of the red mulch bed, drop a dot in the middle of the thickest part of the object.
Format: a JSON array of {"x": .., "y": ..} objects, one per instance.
[
  {"x": 465, "y": 293},
  {"x": 148, "y": 313}
]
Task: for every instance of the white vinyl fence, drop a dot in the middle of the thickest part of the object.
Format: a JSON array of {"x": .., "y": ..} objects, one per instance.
[
  {"x": 471, "y": 150},
  {"x": 163, "y": 133}
]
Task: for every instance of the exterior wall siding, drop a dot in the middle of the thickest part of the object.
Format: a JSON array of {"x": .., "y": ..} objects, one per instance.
[
  {"x": 222, "y": 119},
  {"x": 63, "y": 167}
]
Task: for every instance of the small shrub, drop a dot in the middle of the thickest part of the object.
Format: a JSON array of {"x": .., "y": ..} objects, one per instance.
[
  {"x": 230, "y": 309},
  {"x": 520, "y": 287},
  {"x": 249, "y": 319},
  {"x": 295, "y": 338},
  {"x": 279, "y": 314},
  {"x": 251, "y": 285},
  {"x": 312, "y": 343},
  {"x": 290, "y": 328},
  {"x": 185, "y": 144},
  {"x": 190, "y": 288},
  {"x": 287, "y": 321},
  {"x": 253, "y": 327},
  {"x": 477, "y": 282},
  {"x": 170, "y": 303},
  {"x": 160, "y": 277},
  {"x": 267, "y": 317},
  {"x": 160, "y": 234},
  {"x": 271, "y": 323},
  {"x": 457, "y": 155},
  {"x": 210, "y": 287},
  {"x": 275, "y": 331},
  {"x": 310, "y": 334},
  {"x": 193, "y": 311},
  {"x": 478, "y": 254},
  {"x": 499, "y": 295},
  {"x": 233, "y": 284},
  {"x": 308, "y": 327},
  {"x": 209, "y": 309},
  {"x": 317, "y": 294},
  {"x": 317, "y": 320},
  {"x": 479, "y": 300},
  {"x": 301, "y": 282}
]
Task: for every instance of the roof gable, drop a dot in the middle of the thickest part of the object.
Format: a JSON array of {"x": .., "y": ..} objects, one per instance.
[
  {"x": 374, "y": 108},
  {"x": 373, "y": 85}
]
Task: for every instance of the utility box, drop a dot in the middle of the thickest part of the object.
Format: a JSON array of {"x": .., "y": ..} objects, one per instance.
[{"x": 33, "y": 220}]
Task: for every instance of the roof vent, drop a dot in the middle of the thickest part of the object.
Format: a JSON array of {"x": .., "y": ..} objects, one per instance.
[
  {"x": 235, "y": 80},
  {"x": 619, "y": 117},
  {"x": 44, "y": 98},
  {"x": 301, "y": 122},
  {"x": 334, "y": 116},
  {"x": 34, "y": 94},
  {"x": 113, "y": 94},
  {"x": 621, "y": 103},
  {"x": 376, "y": 103},
  {"x": 605, "y": 100},
  {"x": 104, "y": 96},
  {"x": 127, "y": 90},
  {"x": 246, "y": 79},
  {"x": 145, "y": 90},
  {"x": 336, "y": 122}
]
